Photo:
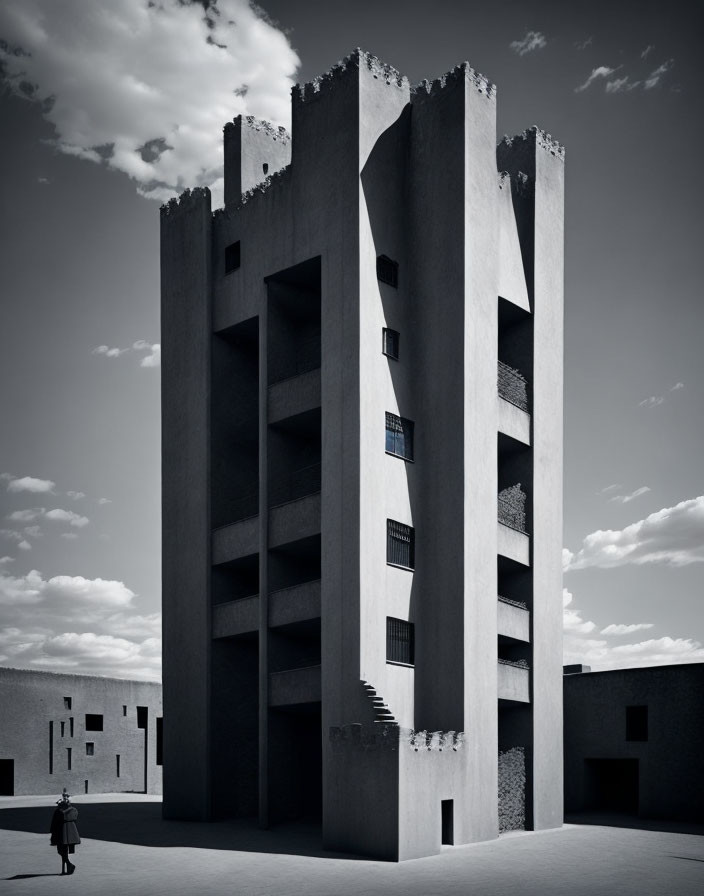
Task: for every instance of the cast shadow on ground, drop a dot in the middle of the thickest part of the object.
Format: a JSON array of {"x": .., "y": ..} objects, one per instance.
[
  {"x": 25, "y": 876},
  {"x": 141, "y": 824},
  {"x": 622, "y": 820}
]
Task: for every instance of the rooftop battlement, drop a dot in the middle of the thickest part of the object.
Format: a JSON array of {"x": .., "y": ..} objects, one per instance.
[
  {"x": 187, "y": 201},
  {"x": 523, "y": 144},
  {"x": 463, "y": 71},
  {"x": 279, "y": 134},
  {"x": 356, "y": 60}
]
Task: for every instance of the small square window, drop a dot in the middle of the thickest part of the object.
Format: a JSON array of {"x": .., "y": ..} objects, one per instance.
[
  {"x": 67, "y": 703},
  {"x": 399, "y": 436},
  {"x": 90, "y": 749},
  {"x": 390, "y": 343},
  {"x": 232, "y": 257},
  {"x": 94, "y": 722},
  {"x": 637, "y": 723},
  {"x": 400, "y": 641},
  {"x": 387, "y": 270},
  {"x": 400, "y": 544}
]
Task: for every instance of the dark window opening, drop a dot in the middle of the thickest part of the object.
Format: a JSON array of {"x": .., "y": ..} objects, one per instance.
[
  {"x": 124, "y": 710},
  {"x": 159, "y": 740},
  {"x": 85, "y": 785},
  {"x": 70, "y": 727},
  {"x": 390, "y": 343},
  {"x": 400, "y": 641},
  {"x": 387, "y": 270},
  {"x": 400, "y": 544},
  {"x": 51, "y": 748},
  {"x": 399, "y": 436},
  {"x": 67, "y": 702},
  {"x": 117, "y": 765},
  {"x": 7, "y": 777},
  {"x": 68, "y": 758},
  {"x": 142, "y": 716},
  {"x": 90, "y": 749},
  {"x": 637, "y": 723},
  {"x": 447, "y": 810},
  {"x": 94, "y": 722},
  {"x": 265, "y": 167},
  {"x": 232, "y": 257},
  {"x": 63, "y": 728}
]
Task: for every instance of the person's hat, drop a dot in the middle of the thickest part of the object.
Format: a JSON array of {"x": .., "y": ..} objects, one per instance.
[{"x": 65, "y": 796}]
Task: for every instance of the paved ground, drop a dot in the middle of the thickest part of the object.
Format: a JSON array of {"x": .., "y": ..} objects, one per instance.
[{"x": 128, "y": 849}]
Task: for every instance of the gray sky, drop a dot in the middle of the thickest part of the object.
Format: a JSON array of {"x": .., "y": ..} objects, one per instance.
[{"x": 617, "y": 83}]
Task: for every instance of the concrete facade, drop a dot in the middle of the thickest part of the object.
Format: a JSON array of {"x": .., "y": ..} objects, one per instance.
[
  {"x": 281, "y": 499},
  {"x": 84, "y": 733},
  {"x": 633, "y": 741}
]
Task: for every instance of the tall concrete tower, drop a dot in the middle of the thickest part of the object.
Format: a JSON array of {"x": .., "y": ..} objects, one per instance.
[{"x": 362, "y": 470}]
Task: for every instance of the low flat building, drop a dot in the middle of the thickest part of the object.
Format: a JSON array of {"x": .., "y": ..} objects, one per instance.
[
  {"x": 633, "y": 741},
  {"x": 81, "y": 732}
]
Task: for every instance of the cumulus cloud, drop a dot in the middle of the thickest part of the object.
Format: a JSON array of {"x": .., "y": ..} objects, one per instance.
[
  {"x": 108, "y": 352},
  {"x": 615, "y": 629},
  {"x": 27, "y": 515},
  {"x": 533, "y": 40},
  {"x": 625, "y": 499},
  {"x": 67, "y": 516},
  {"x": 76, "y": 495},
  {"x": 602, "y": 71},
  {"x": 146, "y": 87},
  {"x": 153, "y": 359},
  {"x": 580, "y": 646},
  {"x": 71, "y": 623},
  {"x": 673, "y": 536},
  {"x": 14, "y": 535},
  {"x": 104, "y": 501},
  {"x": 4, "y": 560},
  {"x": 30, "y": 484}
]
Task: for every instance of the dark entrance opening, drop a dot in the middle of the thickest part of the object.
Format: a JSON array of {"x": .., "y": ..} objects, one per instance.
[
  {"x": 295, "y": 763},
  {"x": 448, "y": 822},
  {"x": 7, "y": 777},
  {"x": 611, "y": 785}
]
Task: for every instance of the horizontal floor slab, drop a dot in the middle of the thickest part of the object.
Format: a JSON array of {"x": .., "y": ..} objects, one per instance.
[
  {"x": 236, "y": 540},
  {"x": 297, "y": 604},
  {"x": 513, "y": 683},
  {"x": 513, "y": 544},
  {"x": 513, "y": 622},
  {"x": 295, "y": 686},
  {"x": 514, "y": 422},
  {"x": 294, "y": 396},
  {"x": 236, "y": 617}
]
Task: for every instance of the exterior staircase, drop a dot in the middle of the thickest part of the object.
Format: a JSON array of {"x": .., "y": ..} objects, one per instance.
[{"x": 382, "y": 713}]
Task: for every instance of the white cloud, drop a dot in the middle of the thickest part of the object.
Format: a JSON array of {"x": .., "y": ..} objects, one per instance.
[
  {"x": 153, "y": 359},
  {"x": 27, "y": 515},
  {"x": 4, "y": 560},
  {"x": 109, "y": 352},
  {"x": 619, "y": 85},
  {"x": 146, "y": 88},
  {"x": 32, "y": 531},
  {"x": 76, "y": 495},
  {"x": 571, "y": 618},
  {"x": 602, "y": 71},
  {"x": 78, "y": 624},
  {"x": 104, "y": 501},
  {"x": 14, "y": 535},
  {"x": 673, "y": 536},
  {"x": 656, "y": 76},
  {"x": 67, "y": 516},
  {"x": 625, "y": 499},
  {"x": 651, "y": 402},
  {"x": 615, "y": 629},
  {"x": 533, "y": 40},
  {"x": 646, "y": 51},
  {"x": 30, "y": 484},
  {"x": 677, "y": 387},
  {"x": 609, "y": 488}
]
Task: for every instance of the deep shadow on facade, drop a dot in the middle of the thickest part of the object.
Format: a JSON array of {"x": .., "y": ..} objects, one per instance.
[
  {"x": 362, "y": 470},
  {"x": 633, "y": 742},
  {"x": 82, "y": 732}
]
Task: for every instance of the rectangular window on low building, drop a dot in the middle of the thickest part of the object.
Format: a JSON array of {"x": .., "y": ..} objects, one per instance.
[
  {"x": 90, "y": 749},
  {"x": 124, "y": 710},
  {"x": 70, "y": 726},
  {"x": 399, "y": 641},
  {"x": 390, "y": 342},
  {"x": 399, "y": 436},
  {"x": 63, "y": 728},
  {"x": 400, "y": 544},
  {"x": 68, "y": 758},
  {"x": 387, "y": 270},
  {"x": 94, "y": 722},
  {"x": 117, "y": 765},
  {"x": 637, "y": 723},
  {"x": 232, "y": 257},
  {"x": 67, "y": 703}
]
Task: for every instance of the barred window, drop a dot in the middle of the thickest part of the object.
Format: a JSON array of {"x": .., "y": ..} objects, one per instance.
[
  {"x": 232, "y": 257},
  {"x": 387, "y": 270},
  {"x": 400, "y": 544},
  {"x": 400, "y": 637},
  {"x": 399, "y": 436},
  {"x": 390, "y": 343}
]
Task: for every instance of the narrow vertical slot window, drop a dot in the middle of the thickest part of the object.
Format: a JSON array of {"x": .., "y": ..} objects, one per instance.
[{"x": 232, "y": 257}]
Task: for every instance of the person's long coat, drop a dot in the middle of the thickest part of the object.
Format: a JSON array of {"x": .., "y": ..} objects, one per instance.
[{"x": 63, "y": 828}]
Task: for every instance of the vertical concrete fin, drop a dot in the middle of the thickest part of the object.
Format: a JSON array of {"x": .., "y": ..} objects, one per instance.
[{"x": 186, "y": 284}]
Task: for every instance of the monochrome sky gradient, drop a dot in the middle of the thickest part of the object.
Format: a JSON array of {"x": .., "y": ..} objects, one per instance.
[{"x": 109, "y": 106}]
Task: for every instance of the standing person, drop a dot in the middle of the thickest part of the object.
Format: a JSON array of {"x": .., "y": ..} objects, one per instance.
[{"x": 64, "y": 833}]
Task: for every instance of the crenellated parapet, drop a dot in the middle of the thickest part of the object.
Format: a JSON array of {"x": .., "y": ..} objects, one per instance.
[
  {"x": 462, "y": 72},
  {"x": 277, "y": 133},
  {"x": 515, "y": 154},
  {"x": 394, "y": 738},
  {"x": 356, "y": 61},
  {"x": 186, "y": 202}
]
